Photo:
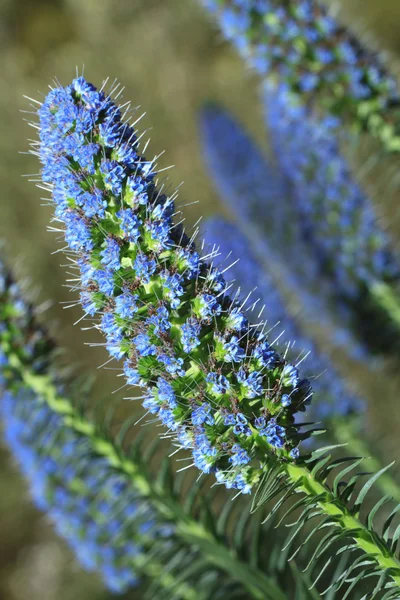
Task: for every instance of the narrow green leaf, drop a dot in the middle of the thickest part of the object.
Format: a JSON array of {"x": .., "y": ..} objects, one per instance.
[{"x": 367, "y": 486}]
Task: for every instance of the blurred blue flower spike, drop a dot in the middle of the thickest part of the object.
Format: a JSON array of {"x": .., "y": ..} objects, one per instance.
[
  {"x": 260, "y": 198},
  {"x": 108, "y": 531},
  {"x": 337, "y": 218},
  {"x": 301, "y": 44}
]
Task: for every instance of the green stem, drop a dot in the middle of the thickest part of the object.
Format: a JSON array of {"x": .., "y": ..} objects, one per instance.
[
  {"x": 387, "y": 298},
  {"x": 330, "y": 505},
  {"x": 343, "y": 431},
  {"x": 259, "y": 585}
]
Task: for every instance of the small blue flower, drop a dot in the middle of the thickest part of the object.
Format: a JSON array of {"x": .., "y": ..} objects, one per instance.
[
  {"x": 160, "y": 320},
  {"x": 105, "y": 281},
  {"x": 190, "y": 262},
  {"x": 166, "y": 392},
  {"x": 241, "y": 426},
  {"x": 204, "y": 456},
  {"x": 110, "y": 327},
  {"x": 238, "y": 481},
  {"x": 290, "y": 376},
  {"x": 260, "y": 422},
  {"x": 110, "y": 256},
  {"x": 139, "y": 189},
  {"x": 251, "y": 383},
  {"x": 172, "y": 288},
  {"x": 240, "y": 456},
  {"x": 151, "y": 404},
  {"x": 241, "y": 484},
  {"x": 125, "y": 153},
  {"x": 184, "y": 437},
  {"x": 172, "y": 365},
  {"x": 126, "y": 304},
  {"x": 294, "y": 453},
  {"x": 109, "y": 132},
  {"x": 266, "y": 355},
  {"x": 130, "y": 224},
  {"x": 144, "y": 267},
  {"x": 77, "y": 233},
  {"x": 274, "y": 433},
  {"x": 203, "y": 414},
  {"x": 220, "y": 384},
  {"x": 113, "y": 175},
  {"x": 131, "y": 374},
  {"x": 167, "y": 418},
  {"x": 233, "y": 351},
  {"x": 209, "y": 306},
  {"x": 160, "y": 234},
  {"x": 114, "y": 348},
  {"x": 143, "y": 345},
  {"x": 236, "y": 320},
  {"x": 286, "y": 400},
  {"x": 229, "y": 418},
  {"x": 215, "y": 281},
  {"x": 88, "y": 304},
  {"x": 190, "y": 335},
  {"x": 86, "y": 270}
]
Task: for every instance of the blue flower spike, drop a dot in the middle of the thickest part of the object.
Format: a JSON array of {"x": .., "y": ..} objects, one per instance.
[
  {"x": 300, "y": 43},
  {"x": 104, "y": 529},
  {"x": 162, "y": 308}
]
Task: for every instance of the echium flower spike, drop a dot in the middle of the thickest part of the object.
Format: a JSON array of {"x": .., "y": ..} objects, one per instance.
[
  {"x": 336, "y": 216},
  {"x": 299, "y": 43},
  {"x": 208, "y": 410},
  {"x": 120, "y": 520},
  {"x": 163, "y": 309}
]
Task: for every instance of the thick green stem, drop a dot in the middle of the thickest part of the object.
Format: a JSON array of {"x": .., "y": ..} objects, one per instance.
[
  {"x": 259, "y": 585},
  {"x": 330, "y": 505}
]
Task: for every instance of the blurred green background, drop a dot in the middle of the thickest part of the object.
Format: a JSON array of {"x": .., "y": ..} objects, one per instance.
[{"x": 171, "y": 60}]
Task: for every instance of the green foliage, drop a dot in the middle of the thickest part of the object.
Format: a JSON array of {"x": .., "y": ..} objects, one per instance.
[{"x": 337, "y": 506}]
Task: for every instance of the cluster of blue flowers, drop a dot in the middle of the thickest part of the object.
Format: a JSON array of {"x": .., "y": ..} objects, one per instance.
[
  {"x": 336, "y": 216},
  {"x": 161, "y": 307},
  {"x": 299, "y": 43},
  {"x": 332, "y": 396},
  {"x": 94, "y": 508}
]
